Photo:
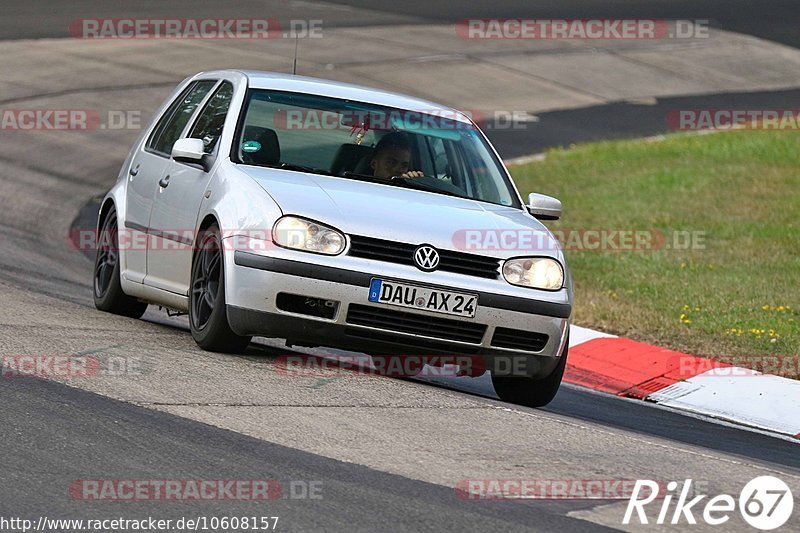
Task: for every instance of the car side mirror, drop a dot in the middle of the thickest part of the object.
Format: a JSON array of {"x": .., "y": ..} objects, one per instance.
[
  {"x": 544, "y": 207},
  {"x": 190, "y": 151}
]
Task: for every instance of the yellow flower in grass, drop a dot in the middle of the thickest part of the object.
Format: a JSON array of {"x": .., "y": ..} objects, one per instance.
[{"x": 777, "y": 308}]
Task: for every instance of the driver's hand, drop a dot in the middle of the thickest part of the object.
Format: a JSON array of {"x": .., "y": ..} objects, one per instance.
[{"x": 412, "y": 174}]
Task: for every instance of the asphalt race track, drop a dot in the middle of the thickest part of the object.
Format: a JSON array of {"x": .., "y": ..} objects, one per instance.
[
  {"x": 385, "y": 453},
  {"x": 775, "y": 20}
]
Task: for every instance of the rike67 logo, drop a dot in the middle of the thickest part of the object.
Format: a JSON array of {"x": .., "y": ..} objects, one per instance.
[{"x": 765, "y": 503}]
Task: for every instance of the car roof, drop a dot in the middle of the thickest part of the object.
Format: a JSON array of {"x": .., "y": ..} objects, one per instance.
[{"x": 289, "y": 82}]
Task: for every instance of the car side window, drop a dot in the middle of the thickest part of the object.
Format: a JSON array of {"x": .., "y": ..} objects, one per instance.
[
  {"x": 441, "y": 163},
  {"x": 173, "y": 121},
  {"x": 426, "y": 164},
  {"x": 476, "y": 179},
  {"x": 439, "y": 159},
  {"x": 208, "y": 126}
]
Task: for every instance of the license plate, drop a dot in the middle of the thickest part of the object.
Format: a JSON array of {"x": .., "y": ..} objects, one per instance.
[{"x": 425, "y": 298}]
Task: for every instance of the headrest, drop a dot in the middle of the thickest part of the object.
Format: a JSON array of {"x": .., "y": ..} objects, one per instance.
[
  {"x": 260, "y": 146},
  {"x": 348, "y": 156}
]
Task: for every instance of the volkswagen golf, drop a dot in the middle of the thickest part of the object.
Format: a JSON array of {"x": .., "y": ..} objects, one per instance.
[{"x": 331, "y": 214}]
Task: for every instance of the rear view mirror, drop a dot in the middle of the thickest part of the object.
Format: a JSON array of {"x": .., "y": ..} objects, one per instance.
[
  {"x": 190, "y": 151},
  {"x": 544, "y": 207}
]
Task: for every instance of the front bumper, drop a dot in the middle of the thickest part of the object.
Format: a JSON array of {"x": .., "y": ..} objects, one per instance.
[{"x": 253, "y": 282}]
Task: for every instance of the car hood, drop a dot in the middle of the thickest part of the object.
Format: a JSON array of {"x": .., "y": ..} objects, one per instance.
[{"x": 407, "y": 215}]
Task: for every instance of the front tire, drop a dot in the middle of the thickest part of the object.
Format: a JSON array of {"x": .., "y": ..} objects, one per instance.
[
  {"x": 208, "y": 318},
  {"x": 108, "y": 295},
  {"x": 532, "y": 392}
]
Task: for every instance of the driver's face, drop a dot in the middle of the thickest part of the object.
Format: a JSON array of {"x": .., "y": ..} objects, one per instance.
[{"x": 390, "y": 162}]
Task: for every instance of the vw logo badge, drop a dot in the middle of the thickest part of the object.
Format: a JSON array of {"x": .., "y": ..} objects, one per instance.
[{"x": 426, "y": 257}]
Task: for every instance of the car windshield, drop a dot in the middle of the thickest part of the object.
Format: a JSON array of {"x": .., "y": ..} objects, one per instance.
[{"x": 428, "y": 150}]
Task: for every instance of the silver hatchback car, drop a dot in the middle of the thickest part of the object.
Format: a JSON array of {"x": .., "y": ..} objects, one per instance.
[{"x": 330, "y": 214}]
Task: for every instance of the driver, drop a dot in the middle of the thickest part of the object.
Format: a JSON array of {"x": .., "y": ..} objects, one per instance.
[{"x": 392, "y": 156}]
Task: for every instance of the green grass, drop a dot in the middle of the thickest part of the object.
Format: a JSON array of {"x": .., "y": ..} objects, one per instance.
[{"x": 739, "y": 295}]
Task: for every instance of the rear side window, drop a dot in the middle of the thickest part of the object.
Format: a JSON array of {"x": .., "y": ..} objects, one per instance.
[
  {"x": 174, "y": 119},
  {"x": 209, "y": 124}
]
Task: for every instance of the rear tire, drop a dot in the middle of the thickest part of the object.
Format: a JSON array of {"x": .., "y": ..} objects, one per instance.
[
  {"x": 532, "y": 392},
  {"x": 208, "y": 318},
  {"x": 108, "y": 295}
]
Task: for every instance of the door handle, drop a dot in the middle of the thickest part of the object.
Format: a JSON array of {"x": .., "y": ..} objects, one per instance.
[
  {"x": 134, "y": 170},
  {"x": 164, "y": 182}
]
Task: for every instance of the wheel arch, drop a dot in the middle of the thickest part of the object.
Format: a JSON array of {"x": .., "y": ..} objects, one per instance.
[
  {"x": 105, "y": 207},
  {"x": 207, "y": 222}
]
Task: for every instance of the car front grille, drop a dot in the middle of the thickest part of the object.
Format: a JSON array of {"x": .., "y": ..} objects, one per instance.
[
  {"x": 403, "y": 254},
  {"x": 416, "y": 324},
  {"x": 411, "y": 344},
  {"x": 518, "y": 339}
]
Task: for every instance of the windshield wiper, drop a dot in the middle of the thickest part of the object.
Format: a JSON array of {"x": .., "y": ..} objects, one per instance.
[
  {"x": 298, "y": 168},
  {"x": 410, "y": 183},
  {"x": 414, "y": 183},
  {"x": 366, "y": 177}
]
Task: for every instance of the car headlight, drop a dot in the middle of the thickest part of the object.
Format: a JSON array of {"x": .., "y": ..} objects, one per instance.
[
  {"x": 308, "y": 236},
  {"x": 536, "y": 272}
]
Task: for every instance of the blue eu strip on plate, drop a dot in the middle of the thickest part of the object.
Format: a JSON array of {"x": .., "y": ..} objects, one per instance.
[{"x": 375, "y": 290}]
